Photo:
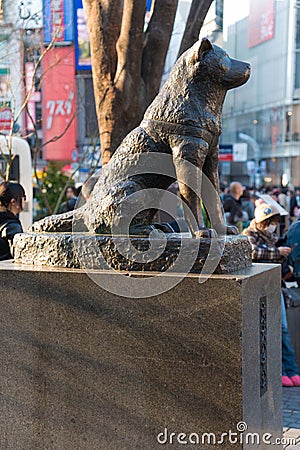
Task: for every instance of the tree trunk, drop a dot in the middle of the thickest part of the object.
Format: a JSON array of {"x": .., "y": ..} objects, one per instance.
[
  {"x": 104, "y": 24},
  {"x": 114, "y": 124}
]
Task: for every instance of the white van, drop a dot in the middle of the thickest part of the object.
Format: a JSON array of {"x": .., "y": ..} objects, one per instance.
[{"x": 21, "y": 172}]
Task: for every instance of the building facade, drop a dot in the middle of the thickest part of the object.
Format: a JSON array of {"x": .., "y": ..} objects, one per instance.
[
  {"x": 69, "y": 109},
  {"x": 267, "y": 108},
  {"x": 20, "y": 39},
  {"x": 55, "y": 85}
]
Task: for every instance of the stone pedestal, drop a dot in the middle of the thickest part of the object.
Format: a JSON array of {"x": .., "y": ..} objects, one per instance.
[
  {"x": 88, "y": 251},
  {"x": 83, "y": 369}
]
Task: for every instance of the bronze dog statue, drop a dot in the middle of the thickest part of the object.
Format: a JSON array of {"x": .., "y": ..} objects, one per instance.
[{"x": 183, "y": 122}]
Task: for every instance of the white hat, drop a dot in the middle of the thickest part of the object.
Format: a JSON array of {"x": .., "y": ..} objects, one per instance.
[{"x": 265, "y": 211}]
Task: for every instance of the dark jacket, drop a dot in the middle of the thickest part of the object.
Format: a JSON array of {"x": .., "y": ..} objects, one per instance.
[
  {"x": 9, "y": 226},
  {"x": 293, "y": 240},
  {"x": 295, "y": 202},
  {"x": 69, "y": 205},
  {"x": 234, "y": 207}
]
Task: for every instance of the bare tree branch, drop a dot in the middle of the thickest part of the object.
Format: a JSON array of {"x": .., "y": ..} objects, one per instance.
[
  {"x": 57, "y": 137},
  {"x": 158, "y": 37},
  {"x": 29, "y": 92},
  {"x": 35, "y": 153}
]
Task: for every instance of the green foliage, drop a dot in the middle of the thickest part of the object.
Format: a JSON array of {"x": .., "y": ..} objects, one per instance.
[{"x": 53, "y": 181}]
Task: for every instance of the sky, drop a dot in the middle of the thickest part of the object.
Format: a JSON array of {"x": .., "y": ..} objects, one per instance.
[{"x": 235, "y": 10}]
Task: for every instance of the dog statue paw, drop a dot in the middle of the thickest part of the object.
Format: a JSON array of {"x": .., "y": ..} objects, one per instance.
[
  {"x": 232, "y": 230},
  {"x": 208, "y": 233}
]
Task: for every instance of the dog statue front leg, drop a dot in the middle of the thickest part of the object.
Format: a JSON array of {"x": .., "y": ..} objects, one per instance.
[
  {"x": 210, "y": 186},
  {"x": 188, "y": 156},
  {"x": 192, "y": 208}
]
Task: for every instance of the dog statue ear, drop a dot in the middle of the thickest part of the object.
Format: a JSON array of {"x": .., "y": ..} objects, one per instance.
[{"x": 205, "y": 46}]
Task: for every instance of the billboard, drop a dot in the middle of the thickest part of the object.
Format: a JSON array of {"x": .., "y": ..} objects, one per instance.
[
  {"x": 34, "y": 96},
  {"x": 82, "y": 39},
  {"x": 233, "y": 152},
  {"x": 59, "y": 103},
  {"x": 6, "y": 115},
  {"x": 6, "y": 118},
  {"x": 5, "y": 88},
  {"x": 30, "y": 14},
  {"x": 225, "y": 152},
  {"x": 261, "y": 22},
  {"x": 58, "y": 21}
]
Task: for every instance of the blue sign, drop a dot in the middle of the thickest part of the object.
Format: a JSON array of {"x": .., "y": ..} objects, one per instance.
[
  {"x": 149, "y": 3},
  {"x": 82, "y": 39},
  {"x": 58, "y": 21}
]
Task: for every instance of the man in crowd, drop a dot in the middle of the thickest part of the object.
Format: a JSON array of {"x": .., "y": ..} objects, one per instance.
[
  {"x": 69, "y": 205},
  {"x": 233, "y": 208}
]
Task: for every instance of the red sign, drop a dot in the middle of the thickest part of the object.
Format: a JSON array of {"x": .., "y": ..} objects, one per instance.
[
  {"x": 59, "y": 103},
  {"x": 5, "y": 119},
  {"x": 226, "y": 152},
  {"x": 226, "y": 157},
  {"x": 261, "y": 22}
]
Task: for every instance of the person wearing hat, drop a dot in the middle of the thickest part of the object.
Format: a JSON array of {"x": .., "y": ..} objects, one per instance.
[{"x": 262, "y": 237}]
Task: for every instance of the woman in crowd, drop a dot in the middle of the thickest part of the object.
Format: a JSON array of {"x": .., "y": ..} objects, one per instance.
[
  {"x": 12, "y": 200},
  {"x": 262, "y": 237}
]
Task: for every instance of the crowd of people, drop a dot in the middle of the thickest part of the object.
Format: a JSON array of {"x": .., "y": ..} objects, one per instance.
[
  {"x": 239, "y": 203},
  {"x": 271, "y": 221}
]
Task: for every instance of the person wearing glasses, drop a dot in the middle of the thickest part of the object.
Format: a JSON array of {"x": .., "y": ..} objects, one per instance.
[{"x": 12, "y": 202}]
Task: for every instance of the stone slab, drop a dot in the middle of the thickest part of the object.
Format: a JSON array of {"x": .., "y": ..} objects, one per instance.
[
  {"x": 121, "y": 253},
  {"x": 83, "y": 369}
]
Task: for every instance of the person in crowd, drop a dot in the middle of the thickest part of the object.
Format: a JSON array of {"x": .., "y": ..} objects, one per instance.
[
  {"x": 268, "y": 190},
  {"x": 277, "y": 196},
  {"x": 69, "y": 204},
  {"x": 88, "y": 186},
  {"x": 283, "y": 199},
  {"x": 86, "y": 190},
  {"x": 262, "y": 237},
  {"x": 292, "y": 238},
  {"x": 247, "y": 203},
  {"x": 233, "y": 208},
  {"x": 12, "y": 202},
  {"x": 290, "y": 194},
  {"x": 295, "y": 204},
  {"x": 223, "y": 191}
]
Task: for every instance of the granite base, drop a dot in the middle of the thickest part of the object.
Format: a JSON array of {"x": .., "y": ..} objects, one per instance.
[{"x": 84, "y": 369}]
